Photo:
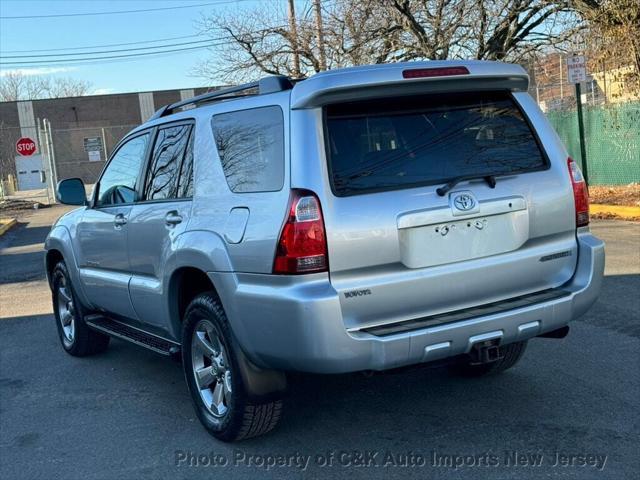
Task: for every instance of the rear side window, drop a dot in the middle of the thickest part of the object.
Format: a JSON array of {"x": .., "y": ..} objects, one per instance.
[
  {"x": 412, "y": 141},
  {"x": 251, "y": 148},
  {"x": 164, "y": 170}
]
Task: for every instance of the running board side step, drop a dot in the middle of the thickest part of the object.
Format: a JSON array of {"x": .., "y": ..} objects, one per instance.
[{"x": 134, "y": 335}]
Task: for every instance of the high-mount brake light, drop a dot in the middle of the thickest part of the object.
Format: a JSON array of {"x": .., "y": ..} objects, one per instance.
[
  {"x": 434, "y": 72},
  {"x": 580, "y": 193},
  {"x": 302, "y": 247}
]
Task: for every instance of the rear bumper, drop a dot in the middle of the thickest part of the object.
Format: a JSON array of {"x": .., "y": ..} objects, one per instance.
[{"x": 295, "y": 323}]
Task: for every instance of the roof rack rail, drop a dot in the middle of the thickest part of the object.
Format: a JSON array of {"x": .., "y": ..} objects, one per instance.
[{"x": 276, "y": 83}]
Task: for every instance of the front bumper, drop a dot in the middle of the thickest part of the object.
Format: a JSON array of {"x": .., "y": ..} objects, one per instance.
[{"x": 295, "y": 323}]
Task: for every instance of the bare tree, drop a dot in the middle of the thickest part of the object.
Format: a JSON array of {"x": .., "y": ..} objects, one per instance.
[
  {"x": 261, "y": 41},
  {"x": 358, "y": 32},
  {"x": 59, "y": 87},
  {"x": 432, "y": 29},
  {"x": 361, "y": 32},
  {"x": 481, "y": 29},
  {"x": 18, "y": 86},
  {"x": 614, "y": 32}
]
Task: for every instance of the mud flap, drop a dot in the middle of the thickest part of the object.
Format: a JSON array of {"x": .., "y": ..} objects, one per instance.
[{"x": 262, "y": 384}]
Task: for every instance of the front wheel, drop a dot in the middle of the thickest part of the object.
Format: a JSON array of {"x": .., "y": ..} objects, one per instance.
[
  {"x": 213, "y": 376},
  {"x": 76, "y": 337}
]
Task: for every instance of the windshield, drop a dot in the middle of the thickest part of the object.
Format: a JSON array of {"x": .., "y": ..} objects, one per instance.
[{"x": 410, "y": 141}]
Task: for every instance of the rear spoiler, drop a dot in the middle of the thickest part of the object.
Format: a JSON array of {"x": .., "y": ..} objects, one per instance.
[{"x": 407, "y": 78}]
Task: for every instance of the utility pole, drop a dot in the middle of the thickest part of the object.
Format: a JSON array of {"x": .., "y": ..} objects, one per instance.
[
  {"x": 294, "y": 39},
  {"x": 560, "y": 69},
  {"x": 320, "y": 33}
]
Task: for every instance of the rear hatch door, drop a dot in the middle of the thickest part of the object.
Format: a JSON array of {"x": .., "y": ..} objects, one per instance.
[{"x": 400, "y": 249}]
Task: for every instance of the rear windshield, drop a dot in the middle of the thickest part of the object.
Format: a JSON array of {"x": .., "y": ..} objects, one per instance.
[{"x": 411, "y": 141}]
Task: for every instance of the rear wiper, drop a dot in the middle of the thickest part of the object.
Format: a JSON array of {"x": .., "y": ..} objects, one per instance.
[{"x": 442, "y": 191}]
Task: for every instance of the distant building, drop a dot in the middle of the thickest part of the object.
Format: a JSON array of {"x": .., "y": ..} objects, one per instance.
[
  {"x": 84, "y": 131},
  {"x": 618, "y": 84},
  {"x": 551, "y": 89}
]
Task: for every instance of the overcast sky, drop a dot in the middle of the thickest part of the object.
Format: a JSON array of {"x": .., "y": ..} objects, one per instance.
[{"x": 168, "y": 71}]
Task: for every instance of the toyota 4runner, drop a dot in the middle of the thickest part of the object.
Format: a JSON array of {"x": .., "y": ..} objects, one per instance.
[{"x": 363, "y": 219}]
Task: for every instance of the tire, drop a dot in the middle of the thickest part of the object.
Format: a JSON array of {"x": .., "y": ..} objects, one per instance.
[
  {"x": 512, "y": 353},
  {"x": 76, "y": 337},
  {"x": 222, "y": 405}
]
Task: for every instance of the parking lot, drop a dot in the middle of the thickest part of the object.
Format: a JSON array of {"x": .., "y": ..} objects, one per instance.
[{"x": 571, "y": 407}]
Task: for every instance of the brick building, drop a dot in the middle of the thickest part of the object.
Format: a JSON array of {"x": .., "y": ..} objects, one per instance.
[{"x": 84, "y": 131}]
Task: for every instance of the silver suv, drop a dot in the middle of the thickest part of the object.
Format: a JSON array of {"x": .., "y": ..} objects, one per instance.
[{"x": 362, "y": 219}]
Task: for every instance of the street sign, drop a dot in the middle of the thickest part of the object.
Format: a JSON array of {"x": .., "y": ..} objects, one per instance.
[
  {"x": 92, "y": 144},
  {"x": 576, "y": 74},
  {"x": 576, "y": 69},
  {"x": 25, "y": 146}
]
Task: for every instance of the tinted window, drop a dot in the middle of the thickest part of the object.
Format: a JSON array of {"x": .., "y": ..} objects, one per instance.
[
  {"x": 404, "y": 142},
  {"x": 251, "y": 148},
  {"x": 185, "y": 183},
  {"x": 118, "y": 182},
  {"x": 168, "y": 152}
]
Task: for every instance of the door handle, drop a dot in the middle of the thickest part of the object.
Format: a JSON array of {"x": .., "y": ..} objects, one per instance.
[
  {"x": 119, "y": 220},
  {"x": 172, "y": 218}
]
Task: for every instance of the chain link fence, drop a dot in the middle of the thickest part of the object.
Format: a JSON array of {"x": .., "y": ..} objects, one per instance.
[
  {"x": 75, "y": 152},
  {"x": 82, "y": 152},
  {"x": 611, "y": 112},
  {"x": 612, "y": 141}
]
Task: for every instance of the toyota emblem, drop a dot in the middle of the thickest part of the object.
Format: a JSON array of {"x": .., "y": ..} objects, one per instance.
[{"x": 464, "y": 202}]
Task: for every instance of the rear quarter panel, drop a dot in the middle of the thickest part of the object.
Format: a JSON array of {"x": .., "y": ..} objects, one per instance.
[{"x": 213, "y": 200}]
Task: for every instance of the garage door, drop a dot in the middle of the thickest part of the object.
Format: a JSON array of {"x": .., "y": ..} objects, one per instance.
[{"x": 30, "y": 173}]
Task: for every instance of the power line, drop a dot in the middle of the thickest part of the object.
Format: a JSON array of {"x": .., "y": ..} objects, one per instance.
[
  {"x": 75, "y": 60},
  {"x": 117, "y": 12},
  {"x": 92, "y": 58},
  {"x": 102, "y": 46},
  {"x": 154, "y": 56},
  {"x": 105, "y": 51}
]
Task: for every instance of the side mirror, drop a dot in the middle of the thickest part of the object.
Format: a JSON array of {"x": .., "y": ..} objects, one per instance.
[{"x": 71, "y": 192}]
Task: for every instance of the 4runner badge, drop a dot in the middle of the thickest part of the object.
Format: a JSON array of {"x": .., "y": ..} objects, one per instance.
[{"x": 357, "y": 293}]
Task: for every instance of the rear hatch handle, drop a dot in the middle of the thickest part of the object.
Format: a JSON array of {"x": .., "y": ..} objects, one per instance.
[{"x": 442, "y": 191}]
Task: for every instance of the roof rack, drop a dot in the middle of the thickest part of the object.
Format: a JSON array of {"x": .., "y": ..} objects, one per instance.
[{"x": 276, "y": 83}]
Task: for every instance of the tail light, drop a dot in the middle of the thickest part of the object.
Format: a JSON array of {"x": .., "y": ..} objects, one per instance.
[
  {"x": 302, "y": 247},
  {"x": 580, "y": 193}
]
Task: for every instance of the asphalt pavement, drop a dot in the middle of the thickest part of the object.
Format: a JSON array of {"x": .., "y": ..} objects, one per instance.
[{"x": 570, "y": 408}]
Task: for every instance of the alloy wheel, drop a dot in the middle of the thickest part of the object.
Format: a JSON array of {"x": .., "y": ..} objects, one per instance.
[
  {"x": 66, "y": 311},
  {"x": 211, "y": 368}
]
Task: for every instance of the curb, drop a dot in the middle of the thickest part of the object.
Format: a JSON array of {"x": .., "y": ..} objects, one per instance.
[
  {"x": 630, "y": 213},
  {"x": 6, "y": 226}
]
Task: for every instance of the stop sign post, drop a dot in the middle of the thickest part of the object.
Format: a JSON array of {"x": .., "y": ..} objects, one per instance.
[{"x": 25, "y": 146}]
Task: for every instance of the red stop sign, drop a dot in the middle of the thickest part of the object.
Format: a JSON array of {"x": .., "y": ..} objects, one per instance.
[{"x": 25, "y": 146}]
